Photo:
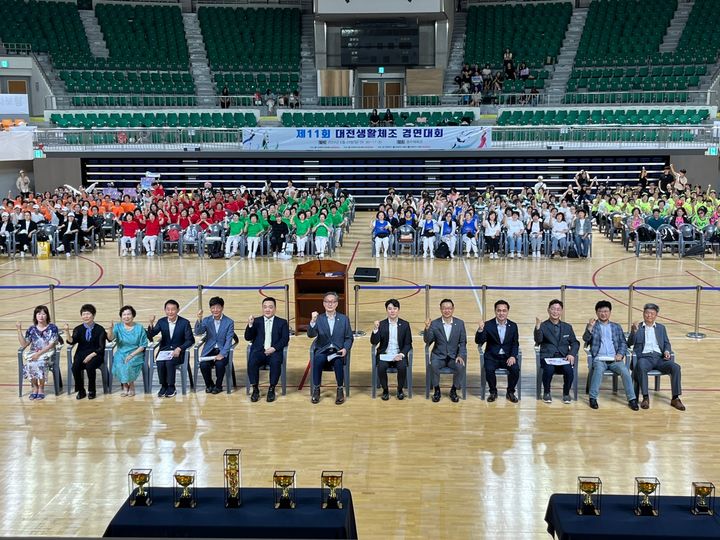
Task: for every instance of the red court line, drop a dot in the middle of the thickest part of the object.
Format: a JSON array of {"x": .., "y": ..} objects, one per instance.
[
  {"x": 700, "y": 279},
  {"x": 307, "y": 369},
  {"x": 621, "y": 302}
]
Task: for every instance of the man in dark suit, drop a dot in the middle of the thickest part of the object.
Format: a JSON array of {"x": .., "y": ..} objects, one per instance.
[
  {"x": 557, "y": 341},
  {"x": 269, "y": 335},
  {"x": 450, "y": 350},
  {"x": 334, "y": 340},
  {"x": 501, "y": 350},
  {"x": 650, "y": 343},
  {"x": 393, "y": 338},
  {"x": 176, "y": 336},
  {"x": 219, "y": 330}
]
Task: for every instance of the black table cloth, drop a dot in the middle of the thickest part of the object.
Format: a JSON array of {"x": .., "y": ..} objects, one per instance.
[
  {"x": 618, "y": 520},
  {"x": 256, "y": 518}
]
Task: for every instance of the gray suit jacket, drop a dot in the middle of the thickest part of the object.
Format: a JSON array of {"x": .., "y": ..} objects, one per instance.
[
  {"x": 550, "y": 347},
  {"x": 444, "y": 348},
  {"x": 637, "y": 339},
  {"x": 341, "y": 338}
]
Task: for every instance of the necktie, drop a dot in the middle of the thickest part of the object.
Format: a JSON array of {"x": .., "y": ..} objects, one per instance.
[
  {"x": 268, "y": 333},
  {"x": 88, "y": 333}
]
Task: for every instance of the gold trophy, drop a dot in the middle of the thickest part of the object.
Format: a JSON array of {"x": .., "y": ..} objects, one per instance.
[
  {"x": 589, "y": 491},
  {"x": 232, "y": 475},
  {"x": 703, "y": 498},
  {"x": 284, "y": 489},
  {"x": 332, "y": 480},
  {"x": 184, "y": 498},
  {"x": 644, "y": 504},
  {"x": 137, "y": 480}
]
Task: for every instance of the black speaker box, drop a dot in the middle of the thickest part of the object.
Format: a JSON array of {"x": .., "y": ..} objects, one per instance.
[{"x": 367, "y": 274}]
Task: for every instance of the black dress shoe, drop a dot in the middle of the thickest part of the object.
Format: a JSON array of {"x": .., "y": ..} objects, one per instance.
[
  {"x": 255, "y": 395},
  {"x": 315, "y": 395},
  {"x": 81, "y": 395},
  {"x": 340, "y": 399},
  {"x": 594, "y": 403},
  {"x": 271, "y": 394},
  {"x": 91, "y": 395},
  {"x": 633, "y": 404},
  {"x": 400, "y": 394},
  {"x": 217, "y": 389},
  {"x": 385, "y": 395},
  {"x": 436, "y": 395},
  {"x": 162, "y": 392},
  {"x": 492, "y": 397},
  {"x": 209, "y": 389},
  {"x": 510, "y": 396},
  {"x": 453, "y": 395}
]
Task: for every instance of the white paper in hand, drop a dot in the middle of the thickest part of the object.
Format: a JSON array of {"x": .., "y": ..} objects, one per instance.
[
  {"x": 387, "y": 357},
  {"x": 164, "y": 355},
  {"x": 207, "y": 358},
  {"x": 333, "y": 356},
  {"x": 556, "y": 361}
]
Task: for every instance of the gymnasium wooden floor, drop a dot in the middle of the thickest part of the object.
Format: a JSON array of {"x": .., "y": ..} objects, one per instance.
[{"x": 416, "y": 469}]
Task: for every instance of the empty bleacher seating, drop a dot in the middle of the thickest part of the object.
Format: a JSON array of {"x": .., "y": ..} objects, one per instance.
[
  {"x": 559, "y": 117},
  {"x": 361, "y": 118},
  {"x": 157, "y": 120}
]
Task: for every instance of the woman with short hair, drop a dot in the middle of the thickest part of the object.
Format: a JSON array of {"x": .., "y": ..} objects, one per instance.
[
  {"x": 130, "y": 342},
  {"x": 40, "y": 340}
]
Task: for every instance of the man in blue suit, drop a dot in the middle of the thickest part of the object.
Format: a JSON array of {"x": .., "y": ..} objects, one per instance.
[
  {"x": 334, "y": 340},
  {"x": 651, "y": 345},
  {"x": 219, "y": 330},
  {"x": 269, "y": 336},
  {"x": 501, "y": 350},
  {"x": 176, "y": 336}
]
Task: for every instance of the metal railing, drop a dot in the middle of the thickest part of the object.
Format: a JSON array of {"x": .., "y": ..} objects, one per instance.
[
  {"x": 246, "y": 3},
  {"x": 22, "y": 49},
  {"x": 505, "y": 137}
]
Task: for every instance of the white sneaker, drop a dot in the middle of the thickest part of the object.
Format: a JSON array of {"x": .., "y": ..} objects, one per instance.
[
  {"x": 274, "y": 255},
  {"x": 322, "y": 255},
  {"x": 432, "y": 255},
  {"x": 476, "y": 255},
  {"x": 67, "y": 255},
  {"x": 123, "y": 253},
  {"x": 227, "y": 255},
  {"x": 377, "y": 255},
  {"x": 384, "y": 255},
  {"x": 22, "y": 254},
  {"x": 511, "y": 255},
  {"x": 131, "y": 253},
  {"x": 425, "y": 255},
  {"x": 519, "y": 255}
]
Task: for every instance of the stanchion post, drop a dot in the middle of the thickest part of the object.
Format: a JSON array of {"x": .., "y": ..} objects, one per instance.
[
  {"x": 357, "y": 331},
  {"x": 121, "y": 296},
  {"x": 631, "y": 290},
  {"x": 696, "y": 334},
  {"x": 51, "y": 290},
  {"x": 287, "y": 307},
  {"x": 483, "y": 301},
  {"x": 427, "y": 307},
  {"x": 199, "y": 297},
  {"x": 562, "y": 296}
]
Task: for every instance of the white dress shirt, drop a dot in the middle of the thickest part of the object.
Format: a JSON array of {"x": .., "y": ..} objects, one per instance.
[
  {"x": 651, "y": 344},
  {"x": 393, "y": 345},
  {"x": 171, "y": 326},
  {"x": 448, "y": 329},
  {"x": 502, "y": 328}
]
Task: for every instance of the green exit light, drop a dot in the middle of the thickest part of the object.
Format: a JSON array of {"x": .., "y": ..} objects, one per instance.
[
  {"x": 4, "y": 63},
  {"x": 712, "y": 151},
  {"x": 38, "y": 154}
]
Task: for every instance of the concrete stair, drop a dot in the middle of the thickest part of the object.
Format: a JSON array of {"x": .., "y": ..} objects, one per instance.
[
  {"x": 94, "y": 34},
  {"x": 677, "y": 25},
  {"x": 563, "y": 69},
  {"x": 308, "y": 72},
  {"x": 457, "y": 53},
  {"x": 199, "y": 65}
]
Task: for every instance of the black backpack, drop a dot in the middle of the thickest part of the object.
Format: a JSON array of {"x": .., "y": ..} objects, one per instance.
[
  {"x": 215, "y": 250},
  {"x": 645, "y": 234},
  {"x": 572, "y": 251},
  {"x": 442, "y": 251}
]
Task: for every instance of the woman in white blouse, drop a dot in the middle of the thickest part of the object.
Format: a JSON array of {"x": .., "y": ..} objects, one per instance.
[
  {"x": 491, "y": 228},
  {"x": 535, "y": 234},
  {"x": 559, "y": 234}
]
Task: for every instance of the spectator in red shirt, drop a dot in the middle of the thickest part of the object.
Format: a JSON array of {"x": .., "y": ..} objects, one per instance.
[
  {"x": 129, "y": 228},
  {"x": 219, "y": 214},
  {"x": 183, "y": 219},
  {"x": 193, "y": 216},
  {"x": 205, "y": 221},
  {"x": 152, "y": 230}
]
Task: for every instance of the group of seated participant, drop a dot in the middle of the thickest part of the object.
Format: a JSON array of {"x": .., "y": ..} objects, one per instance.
[
  {"x": 535, "y": 219},
  {"x": 287, "y": 219},
  {"x": 445, "y": 339}
]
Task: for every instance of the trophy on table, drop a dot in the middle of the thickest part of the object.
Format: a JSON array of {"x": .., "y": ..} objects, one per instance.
[
  {"x": 331, "y": 489},
  {"x": 703, "y": 498},
  {"x": 233, "y": 477},
  {"x": 589, "y": 492},
  {"x": 140, "y": 487},
  {"x": 184, "y": 489},
  {"x": 284, "y": 489},
  {"x": 647, "y": 491}
]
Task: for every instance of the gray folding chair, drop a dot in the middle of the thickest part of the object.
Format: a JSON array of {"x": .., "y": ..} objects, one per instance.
[
  {"x": 57, "y": 377},
  {"x": 374, "y": 373},
  {"x": 283, "y": 371},
  {"x": 443, "y": 371},
  {"x": 327, "y": 367},
  {"x": 538, "y": 377},
  {"x": 499, "y": 371}
]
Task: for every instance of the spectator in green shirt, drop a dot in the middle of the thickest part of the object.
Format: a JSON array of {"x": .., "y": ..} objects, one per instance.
[
  {"x": 322, "y": 232},
  {"x": 235, "y": 233},
  {"x": 302, "y": 228},
  {"x": 253, "y": 230},
  {"x": 337, "y": 220}
]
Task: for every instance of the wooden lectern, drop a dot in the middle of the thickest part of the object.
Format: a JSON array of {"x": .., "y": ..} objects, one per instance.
[{"x": 312, "y": 280}]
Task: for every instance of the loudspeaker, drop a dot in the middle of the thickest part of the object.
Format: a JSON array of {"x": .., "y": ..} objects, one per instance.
[{"x": 367, "y": 274}]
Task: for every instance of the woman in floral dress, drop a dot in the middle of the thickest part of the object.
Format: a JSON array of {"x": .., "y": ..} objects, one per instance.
[{"x": 40, "y": 340}]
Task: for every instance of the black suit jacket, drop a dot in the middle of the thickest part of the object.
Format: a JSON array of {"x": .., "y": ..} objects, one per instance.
[
  {"x": 96, "y": 343},
  {"x": 256, "y": 334},
  {"x": 182, "y": 336},
  {"x": 20, "y": 228},
  {"x": 491, "y": 337},
  {"x": 382, "y": 336}
]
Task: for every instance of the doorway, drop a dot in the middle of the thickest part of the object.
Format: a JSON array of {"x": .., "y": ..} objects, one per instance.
[
  {"x": 17, "y": 87},
  {"x": 370, "y": 95},
  {"x": 381, "y": 94}
]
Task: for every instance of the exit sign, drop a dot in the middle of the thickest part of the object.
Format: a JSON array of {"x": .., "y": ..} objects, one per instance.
[
  {"x": 712, "y": 151},
  {"x": 4, "y": 63}
]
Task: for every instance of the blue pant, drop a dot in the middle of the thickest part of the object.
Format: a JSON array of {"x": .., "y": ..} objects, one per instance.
[
  {"x": 515, "y": 243},
  {"x": 549, "y": 370},
  {"x": 559, "y": 244},
  {"x": 598, "y": 369},
  {"x": 320, "y": 361},
  {"x": 582, "y": 245}
]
